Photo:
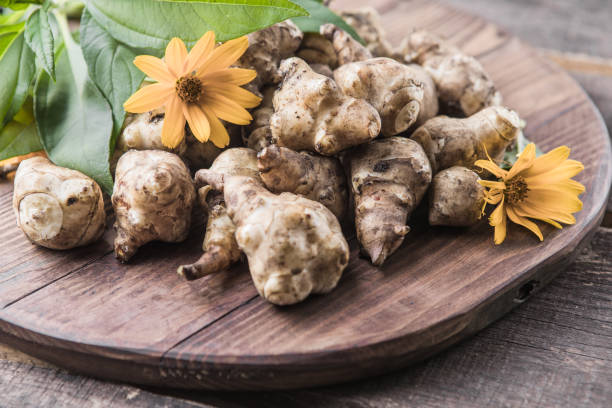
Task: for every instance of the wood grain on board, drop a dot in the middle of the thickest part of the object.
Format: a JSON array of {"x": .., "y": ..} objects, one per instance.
[{"x": 142, "y": 323}]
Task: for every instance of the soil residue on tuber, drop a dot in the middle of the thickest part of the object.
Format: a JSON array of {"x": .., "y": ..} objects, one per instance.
[{"x": 388, "y": 180}]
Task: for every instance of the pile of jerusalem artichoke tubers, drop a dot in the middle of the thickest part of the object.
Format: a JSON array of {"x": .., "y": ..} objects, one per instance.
[{"x": 344, "y": 131}]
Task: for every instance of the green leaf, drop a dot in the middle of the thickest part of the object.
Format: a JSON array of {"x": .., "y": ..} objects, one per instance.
[
  {"x": 111, "y": 67},
  {"x": 39, "y": 36},
  {"x": 17, "y": 139},
  {"x": 18, "y": 67},
  {"x": 152, "y": 24},
  {"x": 74, "y": 120},
  {"x": 319, "y": 15},
  {"x": 18, "y": 4}
]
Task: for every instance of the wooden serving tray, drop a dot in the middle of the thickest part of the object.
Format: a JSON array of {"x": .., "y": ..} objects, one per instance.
[{"x": 142, "y": 323}]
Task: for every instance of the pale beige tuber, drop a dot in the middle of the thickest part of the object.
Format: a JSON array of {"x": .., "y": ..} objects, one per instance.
[
  {"x": 257, "y": 135},
  {"x": 460, "y": 142},
  {"x": 403, "y": 95},
  {"x": 463, "y": 85},
  {"x": 366, "y": 22},
  {"x": 317, "y": 50},
  {"x": 267, "y": 48},
  {"x": 315, "y": 177},
  {"x": 143, "y": 132},
  {"x": 311, "y": 113},
  {"x": 153, "y": 198},
  {"x": 455, "y": 198},
  {"x": 220, "y": 247},
  {"x": 346, "y": 47},
  {"x": 55, "y": 207},
  {"x": 388, "y": 180},
  {"x": 294, "y": 246}
]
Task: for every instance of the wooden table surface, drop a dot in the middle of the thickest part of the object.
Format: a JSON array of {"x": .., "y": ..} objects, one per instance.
[{"x": 553, "y": 350}]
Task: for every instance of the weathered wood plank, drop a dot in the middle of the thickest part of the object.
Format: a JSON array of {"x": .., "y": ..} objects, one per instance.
[
  {"x": 553, "y": 350},
  {"x": 26, "y": 386}
]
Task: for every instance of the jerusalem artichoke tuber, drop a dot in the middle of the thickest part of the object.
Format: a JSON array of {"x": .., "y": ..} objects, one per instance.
[
  {"x": 315, "y": 177},
  {"x": 268, "y": 47},
  {"x": 316, "y": 49},
  {"x": 455, "y": 198},
  {"x": 143, "y": 132},
  {"x": 403, "y": 95},
  {"x": 220, "y": 247},
  {"x": 388, "y": 180},
  {"x": 366, "y": 22},
  {"x": 257, "y": 135},
  {"x": 312, "y": 113},
  {"x": 463, "y": 85},
  {"x": 153, "y": 198},
  {"x": 55, "y": 207},
  {"x": 294, "y": 245},
  {"x": 346, "y": 47},
  {"x": 460, "y": 142}
]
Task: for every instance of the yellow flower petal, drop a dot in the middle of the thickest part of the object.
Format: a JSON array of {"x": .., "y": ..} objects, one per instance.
[
  {"x": 491, "y": 168},
  {"x": 198, "y": 123},
  {"x": 176, "y": 54},
  {"x": 218, "y": 133},
  {"x": 544, "y": 213},
  {"x": 524, "y": 161},
  {"x": 234, "y": 76},
  {"x": 227, "y": 109},
  {"x": 551, "y": 222},
  {"x": 173, "y": 130},
  {"x": 148, "y": 98},
  {"x": 239, "y": 95},
  {"x": 553, "y": 200},
  {"x": 500, "y": 231},
  {"x": 565, "y": 170},
  {"x": 199, "y": 53},
  {"x": 154, "y": 68},
  {"x": 497, "y": 215},
  {"x": 567, "y": 187},
  {"x": 524, "y": 222},
  {"x": 492, "y": 184},
  {"x": 548, "y": 161},
  {"x": 224, "y": 55}
]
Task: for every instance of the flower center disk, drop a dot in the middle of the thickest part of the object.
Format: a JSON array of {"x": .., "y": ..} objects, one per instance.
[
  {"x": 516, "y": 190},
  {"x": 189, "y": 89}
]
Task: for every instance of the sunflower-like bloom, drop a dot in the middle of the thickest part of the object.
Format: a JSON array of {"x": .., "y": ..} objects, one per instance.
[
  {"x": 198, "y": 87},
  {"x": 538, "y": 188}
]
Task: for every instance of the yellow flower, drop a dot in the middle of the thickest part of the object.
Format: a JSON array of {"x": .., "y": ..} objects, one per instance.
[
  {"x": 539, "y": 188},
  {"x": 198, "y": 87}
]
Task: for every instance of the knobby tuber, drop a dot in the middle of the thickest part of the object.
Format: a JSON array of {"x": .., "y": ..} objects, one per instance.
[
  {"x": 403, "y": 95},
  {"x": 220, "y": 247},
  {"x": 311, "y": 113},
  {"x": 366, "y": 21},
  {"x": 460, "y": 142},
  {"x": 388, "y": 180},
  {"x": 316, "y": 49},
  {"x": 267, "y": 48},
  {"x": 346, "y": 47},
  {"x": 143, "y": 132},
  {"x": 294, "y": 245},
  {"x": 258, "y": 135},
  {"x": 315, "y": 177},
  {"x": 153, "y": 198},
  {"x": 55, "y": 207},
  {"x": 455, "y": 198},
  {"x": 463, "y": 85}
]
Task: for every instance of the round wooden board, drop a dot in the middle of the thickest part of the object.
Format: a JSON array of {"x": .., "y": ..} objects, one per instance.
[{"x": 142, "y": 323}]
